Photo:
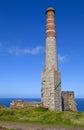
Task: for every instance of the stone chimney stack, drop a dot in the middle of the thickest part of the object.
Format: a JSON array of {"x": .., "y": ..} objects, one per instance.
[
  {"x": 51, "y": 54},
  {"x": 51, "y": 82},
  {"x": 50, "y": 23}
]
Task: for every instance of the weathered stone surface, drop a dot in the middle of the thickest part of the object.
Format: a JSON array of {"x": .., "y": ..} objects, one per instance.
[
  {"x": 51, "y": 79},
  {"x": 51, "y": 60},
  {"x": 51, "y": 90},
  {"x": 68, "y": 102},
  {"x": 22, "y": 104},
  {"x": 51, "y": 82}
]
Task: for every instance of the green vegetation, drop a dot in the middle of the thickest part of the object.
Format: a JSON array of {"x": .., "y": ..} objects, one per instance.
[
  {"x": 3, "y": 128},
  {"x": 42, "y": 115},
  {"x": 2, "y": 106}
]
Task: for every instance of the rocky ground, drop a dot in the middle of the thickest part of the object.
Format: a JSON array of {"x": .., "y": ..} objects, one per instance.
[{"x": 26, "y": 126}]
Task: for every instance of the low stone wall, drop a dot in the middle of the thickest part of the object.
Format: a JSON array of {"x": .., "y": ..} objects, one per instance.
[
  {"x": 21, "y": 104},
  {"x": 68, "y": 101}
]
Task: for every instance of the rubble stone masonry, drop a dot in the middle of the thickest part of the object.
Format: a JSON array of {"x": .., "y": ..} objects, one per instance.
[
  {"x": 51, "y": 94},
  {"x": 51, "y": 82}
]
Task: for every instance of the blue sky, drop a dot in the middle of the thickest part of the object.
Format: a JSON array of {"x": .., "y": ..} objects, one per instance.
[{"x": 22, "y": 43}]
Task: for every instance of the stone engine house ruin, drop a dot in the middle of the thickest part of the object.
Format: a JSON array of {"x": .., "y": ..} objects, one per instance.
[{"x": 51, "y": 95}]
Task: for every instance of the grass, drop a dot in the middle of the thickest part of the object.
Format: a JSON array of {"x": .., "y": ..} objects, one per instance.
[{"x": 43, "y": 116}]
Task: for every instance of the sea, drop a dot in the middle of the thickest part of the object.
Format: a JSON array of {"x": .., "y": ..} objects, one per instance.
[{"x": 7, "y": 101}]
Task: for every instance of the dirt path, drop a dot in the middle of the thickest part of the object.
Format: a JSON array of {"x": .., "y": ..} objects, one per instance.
[{"x": 26, "y": 126}]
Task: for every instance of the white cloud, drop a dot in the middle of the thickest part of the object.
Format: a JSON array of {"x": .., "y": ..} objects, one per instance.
[
  {"x": 25, "y": 51},
  {"x": 61, "y": 58},
  {"x": 34, "y": 51}
]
